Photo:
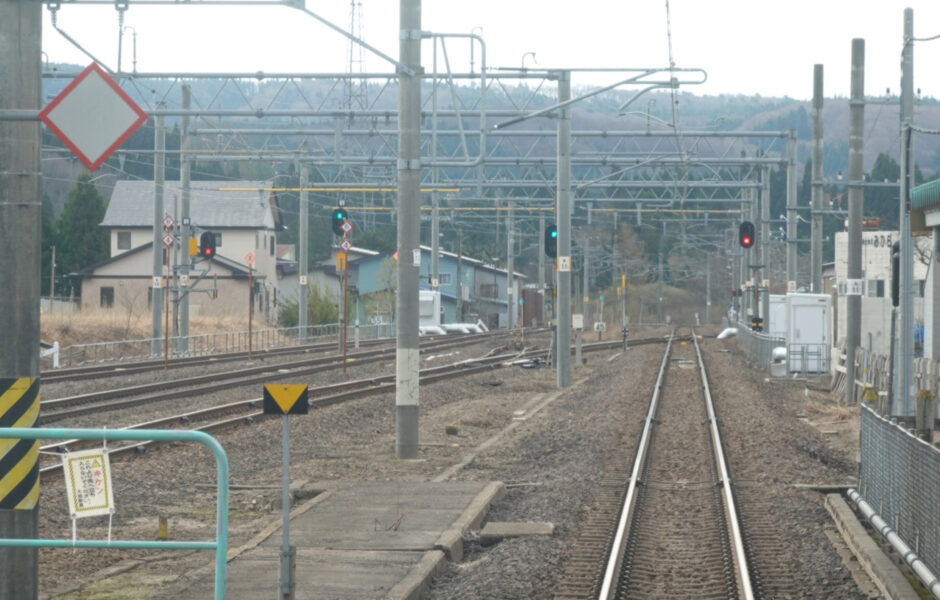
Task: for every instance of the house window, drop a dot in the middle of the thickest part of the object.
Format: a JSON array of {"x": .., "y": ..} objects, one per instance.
[
  {"x": 272, "y": 245},
  {"x": 107, "y": 297},
  {"x": 445, "y": 278},
  {"x": 218, "y": 239},
  {"x": 875, "y": 288},
  {"x": 124, "y": 240},
  {"x": 488, "y": 290}
]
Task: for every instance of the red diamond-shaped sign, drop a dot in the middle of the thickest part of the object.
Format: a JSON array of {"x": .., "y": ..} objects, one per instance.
[
  {"x": 345, "y": 245},
  {"x": 93, "y": 116}
]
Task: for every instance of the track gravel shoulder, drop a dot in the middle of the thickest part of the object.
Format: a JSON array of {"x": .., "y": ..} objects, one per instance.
[{"x": 549, "y": 462}]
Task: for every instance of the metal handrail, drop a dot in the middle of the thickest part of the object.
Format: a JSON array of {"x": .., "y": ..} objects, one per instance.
[{"x": 220, "y": 544}]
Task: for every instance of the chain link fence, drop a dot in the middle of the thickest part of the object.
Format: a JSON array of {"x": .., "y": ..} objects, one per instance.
[{"x": 900, "y": 479}]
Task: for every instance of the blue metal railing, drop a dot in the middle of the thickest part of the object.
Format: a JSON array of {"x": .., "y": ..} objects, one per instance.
[{"x": 220, "y": 544}]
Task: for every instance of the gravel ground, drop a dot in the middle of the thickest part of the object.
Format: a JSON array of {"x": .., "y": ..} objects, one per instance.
[{"x": 549, "y": 464}]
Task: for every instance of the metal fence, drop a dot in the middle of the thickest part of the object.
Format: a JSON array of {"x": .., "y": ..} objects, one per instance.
[
  {"x": 758, "y": 347},
  {"x": 217, "y": 343},
  {"x": 900, "y": 479}
]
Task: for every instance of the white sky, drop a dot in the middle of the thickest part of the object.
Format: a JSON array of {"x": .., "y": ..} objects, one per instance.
[{"x": 765, "y": 47}]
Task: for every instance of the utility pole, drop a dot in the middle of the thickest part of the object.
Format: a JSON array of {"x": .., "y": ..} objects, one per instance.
[
  {"x": 817, "y": 229},
  {"x": 304, "y": 268},
  {"x": 563, "y": 217},
  {"x": 765, "y": 247},
  {"x": 541, "y": 237},
  {"x": 52, "y": 283},
  {"x": 853, "y": 299},
  {"x": 659, "y": 287},
  {"x": 510, "y": 296},
  {"x": 159, "y": 174},
  {"x": 409, "y": 253},
  {"x": 20, "y": 234},
  {"x": 459, "y": 276},
  {"x": 791, "y": 213},
  {"x": 182, "y": 346},
  {"x": 906, "y": 335}
]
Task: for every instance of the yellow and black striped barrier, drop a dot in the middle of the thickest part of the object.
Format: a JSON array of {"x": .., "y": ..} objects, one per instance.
[{"x": 19, "y": 459}]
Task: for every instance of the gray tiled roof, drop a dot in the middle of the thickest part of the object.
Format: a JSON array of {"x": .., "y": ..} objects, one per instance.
[{"x": 131, "y": 204}]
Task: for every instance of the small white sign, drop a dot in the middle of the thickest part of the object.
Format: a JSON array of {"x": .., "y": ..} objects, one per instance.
[
  {"x": 564, "y": 264},
  {"x": 577, "y": 321},
  {"x": 168, "y": 240},
  {"x": 303, "y": 280},
  {"x": 88, "y": 483},
  {"x": 416, "y": 257},
  {"x": 765, "y": 283},
  {"x": 435, "y": 282},
  {"x": 791, "y": 286},
  {"x": 168, "y": 222},
  {"x": 853, "y": 287},
  {"x": 157, "y": 282},
  {"x": 184, "y": 280}
]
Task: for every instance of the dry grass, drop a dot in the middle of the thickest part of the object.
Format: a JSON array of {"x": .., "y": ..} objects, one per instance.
[{"x": 103, "y": 325}]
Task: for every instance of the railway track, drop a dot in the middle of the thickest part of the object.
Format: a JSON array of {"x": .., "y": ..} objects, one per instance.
[
  {"x": 218, "y": 418},
  {"x": 122, "y": 368},
  {"x": 667, "y": 525},
  {"x": 57, "y": 409}
]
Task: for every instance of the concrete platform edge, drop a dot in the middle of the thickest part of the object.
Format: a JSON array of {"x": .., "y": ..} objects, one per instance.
[
  {"x": 419, "y": 578},
  {"x": 883, "y": 572},
  {"x": 274, "y": 527},
  {"x": 451, "y": 540}
]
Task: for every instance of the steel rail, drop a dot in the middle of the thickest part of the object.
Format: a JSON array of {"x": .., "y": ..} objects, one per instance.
[
  {"x": 740, "y": 556},
  {"x": 616, "y": 558}
]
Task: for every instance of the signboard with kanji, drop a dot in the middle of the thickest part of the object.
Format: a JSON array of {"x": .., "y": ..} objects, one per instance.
[
  {"x": 88, "y": 483},
  {"x": 92, "y": 116}
]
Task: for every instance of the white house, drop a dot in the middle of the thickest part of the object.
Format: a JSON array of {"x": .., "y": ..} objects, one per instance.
[{"x": 242, "y": 215}]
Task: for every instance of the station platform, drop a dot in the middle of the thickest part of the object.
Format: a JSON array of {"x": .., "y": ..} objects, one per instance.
[{"x": 360, "y": 540}]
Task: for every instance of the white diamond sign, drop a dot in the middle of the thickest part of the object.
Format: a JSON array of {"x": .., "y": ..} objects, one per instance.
[
  {"x": 92, "y": 116},
  {"x": 345, "y": 245}
]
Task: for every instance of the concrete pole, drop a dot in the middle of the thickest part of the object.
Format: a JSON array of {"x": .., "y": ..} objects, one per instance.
[
  {"x": 185, "y": 227},
  {"x": 459, "y": 316},
  {"x": 542, "y": 267},
  {"x": 853, "y": 303},
  {"x": 409, "y": 253},
  {"x": 817, "y": 224},
  {"x": 791, "y": 212},
  {"x": 932, "y": 324},
  {"x": 659, "y": 277},
  {"x": 708, "y": 289},
  {"x": 510, "y": 295},
  {"x": 563, "y": 217},
  {"x": 20, "y": 234},
  {"x": 764, "y": 246},
  {"x": 906, "y": 307},
  {"x": 435, "y": 239},
  {"x": 159, "y": 174},
  {"x": 304, "y": 234}
]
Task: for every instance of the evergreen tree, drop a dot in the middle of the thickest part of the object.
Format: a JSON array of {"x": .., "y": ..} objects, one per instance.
[{"x": 80, "y": 240}]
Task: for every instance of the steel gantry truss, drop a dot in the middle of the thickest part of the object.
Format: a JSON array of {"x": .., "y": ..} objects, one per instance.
[{"x": 516, "y": 136}]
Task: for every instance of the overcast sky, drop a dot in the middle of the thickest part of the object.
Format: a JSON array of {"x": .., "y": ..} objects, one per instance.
[{"x": 765, "y": 47}]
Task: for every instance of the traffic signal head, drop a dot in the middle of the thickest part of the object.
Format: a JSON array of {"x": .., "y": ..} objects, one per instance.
[
  {"x": 551, "y": 241},
  {"x": 339, "y": 217},
  {"x": 746, "y": 234},
  {"x": 207, "y": 244}
]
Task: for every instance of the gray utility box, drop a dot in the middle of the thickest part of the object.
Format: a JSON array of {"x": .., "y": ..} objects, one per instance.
[{"x": 809, "y": 332}]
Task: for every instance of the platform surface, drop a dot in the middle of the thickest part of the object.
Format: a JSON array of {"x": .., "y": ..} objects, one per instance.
[{"x": 361, "y": 540}]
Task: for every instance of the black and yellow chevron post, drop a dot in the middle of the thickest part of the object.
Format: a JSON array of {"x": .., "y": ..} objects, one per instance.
[{"x": 19, "y": 459}]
